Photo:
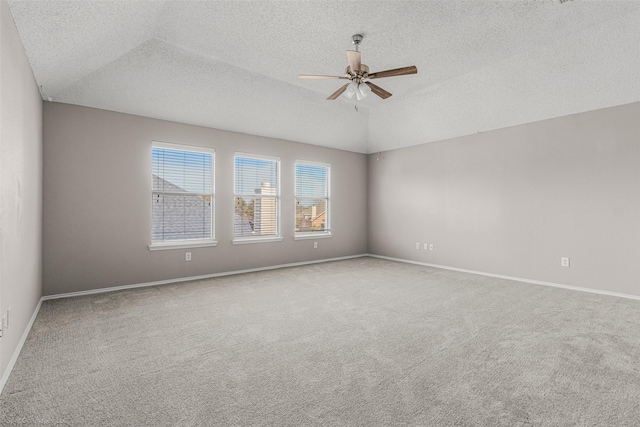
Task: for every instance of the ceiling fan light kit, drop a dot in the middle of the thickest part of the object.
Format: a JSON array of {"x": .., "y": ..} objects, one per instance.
[
  {"x": 360, "y": 90},
  {"x": 359, "y": 76}
]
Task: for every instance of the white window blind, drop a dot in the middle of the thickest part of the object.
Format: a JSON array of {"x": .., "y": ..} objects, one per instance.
[
  {"x": 182, "y": 194},
  {"x": 257, "y": 198},
  {"x": 312, "y": 198}
]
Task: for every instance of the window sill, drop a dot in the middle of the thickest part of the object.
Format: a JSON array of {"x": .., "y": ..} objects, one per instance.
[
  {"x": 182, "y": 245},
  {"x": 308, "y": 236},
  {"x": 242, "y": 241}
]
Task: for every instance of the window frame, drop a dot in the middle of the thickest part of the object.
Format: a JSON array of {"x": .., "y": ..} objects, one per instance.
[
  {"x": 305, "y": 235},
  {"x": 278, "y": 197},
  {"x": 188, "y": 243}
]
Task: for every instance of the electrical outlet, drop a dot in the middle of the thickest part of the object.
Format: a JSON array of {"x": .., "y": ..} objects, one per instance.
[
  {"x": 187, "y": 256},
  {"x": 425, "y": 247},
  {"x": 564, "y": 262},
  {"x": 430, "y": 246},
  {"x": 418, "y": 245},
  {"x": 315, "y": 245}
]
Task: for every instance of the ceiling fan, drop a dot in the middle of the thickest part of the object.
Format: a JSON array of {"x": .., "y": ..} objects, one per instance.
[{"x": 359, "y": 76}]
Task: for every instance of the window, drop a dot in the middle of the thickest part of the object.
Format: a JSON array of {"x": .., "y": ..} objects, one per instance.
[
  {"x": 182, "y": 196},
  {"x": 257, "y": 199},
  {"x": 312, "y": 200}
]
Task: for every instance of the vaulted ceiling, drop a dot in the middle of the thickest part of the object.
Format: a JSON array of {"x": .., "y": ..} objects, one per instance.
[{"x": 234, "y": 65}]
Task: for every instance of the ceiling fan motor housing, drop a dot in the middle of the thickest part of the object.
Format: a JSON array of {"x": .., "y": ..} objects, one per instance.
[{"x": 359, "y": 75}]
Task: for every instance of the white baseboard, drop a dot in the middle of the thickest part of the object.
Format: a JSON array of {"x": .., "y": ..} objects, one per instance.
[
  {"x": 187, "y": 279},
  {"x": 16, "y": 353},
  {"x": 517, "y": 279}
]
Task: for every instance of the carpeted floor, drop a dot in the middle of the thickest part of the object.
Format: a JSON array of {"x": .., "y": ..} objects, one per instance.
[{"x": 363, "y": 342}]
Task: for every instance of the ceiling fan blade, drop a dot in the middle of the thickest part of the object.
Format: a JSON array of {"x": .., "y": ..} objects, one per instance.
[
  {"x": 311, "y": 76},
  {"x": 395, "y": 72},
  {"x": 354, "y": 60},
  {"x": 378, "y": 90},
  {"x": 337, "y": 93}
]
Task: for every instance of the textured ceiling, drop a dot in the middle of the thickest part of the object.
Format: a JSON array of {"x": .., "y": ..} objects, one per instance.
[{"x": 233, "y": 65}]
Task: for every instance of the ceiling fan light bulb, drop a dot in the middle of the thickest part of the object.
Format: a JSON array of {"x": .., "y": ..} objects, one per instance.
[
  {"x": 361, "y": 92},
  {"x": 351, "y": 90},
  {"x": 364, "y": 88}
]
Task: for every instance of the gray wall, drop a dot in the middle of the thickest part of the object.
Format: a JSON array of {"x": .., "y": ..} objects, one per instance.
[
  {"x": 514, "y": 201},
  {"x": 20, "y": 187},
  {"x": 97, "y": 210}
]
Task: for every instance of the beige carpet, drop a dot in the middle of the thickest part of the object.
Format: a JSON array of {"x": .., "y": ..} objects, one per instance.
[{"x": 363, "y": 342}]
